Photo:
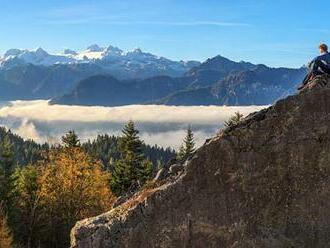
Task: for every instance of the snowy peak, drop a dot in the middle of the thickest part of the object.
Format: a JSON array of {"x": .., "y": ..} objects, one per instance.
[
  {"x": 137, "y": 50},
  {"x": 69, "y": 52},
  {"x": 37, "y": 57},
  {"x": 92, "y": 53},
  {"x": 39, "y": 52},
  {"x": 112, "y": 59},
  {"x": 114, "y": 50},
  {"x": 95, "y": 48},
  {"x": 12, "y": 52}
]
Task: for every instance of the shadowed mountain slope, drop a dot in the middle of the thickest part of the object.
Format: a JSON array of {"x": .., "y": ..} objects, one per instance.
[{"x": 218, "y": 81}]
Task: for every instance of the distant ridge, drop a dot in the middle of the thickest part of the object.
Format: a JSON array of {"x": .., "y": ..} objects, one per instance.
[
  {"x": 217, "y": 81},
  {"x": 109, "y": 76}
]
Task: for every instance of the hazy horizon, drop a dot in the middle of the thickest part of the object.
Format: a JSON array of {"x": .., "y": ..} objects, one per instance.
[{"x": 158, "y": 124}]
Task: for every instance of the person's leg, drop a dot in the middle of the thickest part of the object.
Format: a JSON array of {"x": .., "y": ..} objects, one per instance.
[
  {"x": 325, "y": 68},
  {"x": 320, "y": 68},
  {"x": 308, "y": 77}
]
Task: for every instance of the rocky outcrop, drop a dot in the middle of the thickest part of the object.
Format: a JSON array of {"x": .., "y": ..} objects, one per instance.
[{"x": 262, "y": 183}]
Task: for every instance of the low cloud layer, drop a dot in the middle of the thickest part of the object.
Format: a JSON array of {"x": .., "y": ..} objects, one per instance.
[{"x": 162, "y": 125}]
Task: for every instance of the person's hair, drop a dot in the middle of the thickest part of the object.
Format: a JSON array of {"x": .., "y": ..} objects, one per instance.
[{"x": 324, "y": 47}]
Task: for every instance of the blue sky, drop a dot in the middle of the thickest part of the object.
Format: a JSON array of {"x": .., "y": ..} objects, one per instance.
[{"x": 276, "y": 33}]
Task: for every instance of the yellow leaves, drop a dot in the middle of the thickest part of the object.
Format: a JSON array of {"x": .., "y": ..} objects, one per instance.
[
  {"x": 72, "y": 183},
  {"x": 52, "y": 196},
  {"x": 6, "y": 240}
]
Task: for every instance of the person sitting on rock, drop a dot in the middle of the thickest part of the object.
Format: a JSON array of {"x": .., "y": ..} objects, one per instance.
[{"x": 318, "y": 66}]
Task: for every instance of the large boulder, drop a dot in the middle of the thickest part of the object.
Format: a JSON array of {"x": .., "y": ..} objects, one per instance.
[{"x": 262, "y": 183}]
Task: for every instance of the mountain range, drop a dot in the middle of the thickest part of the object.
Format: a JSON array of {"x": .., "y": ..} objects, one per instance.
[
  {"x": 218, "y": 81},
  {"x": 112, "y": 60},
  {"x": 111, "y": 77}
]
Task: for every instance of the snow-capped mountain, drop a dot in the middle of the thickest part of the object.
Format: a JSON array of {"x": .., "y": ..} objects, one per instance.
[
  {"x": 36, "y": 57},
  {"x": 119, "y": 63}
]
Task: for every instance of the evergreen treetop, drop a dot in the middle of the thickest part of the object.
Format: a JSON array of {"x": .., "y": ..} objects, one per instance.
[
  {"x": 6, "y": 156},
  {"x": 132, "y": 169},
  {"x": 70, "y": 139},
  {"x": 188, "y": 146}
]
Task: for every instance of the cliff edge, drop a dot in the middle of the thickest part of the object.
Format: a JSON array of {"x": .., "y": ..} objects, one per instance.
[{"x": 262, "y": 183}]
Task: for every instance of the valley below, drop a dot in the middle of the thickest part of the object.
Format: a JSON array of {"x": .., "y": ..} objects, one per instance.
[{"x": 158, "y": 124}]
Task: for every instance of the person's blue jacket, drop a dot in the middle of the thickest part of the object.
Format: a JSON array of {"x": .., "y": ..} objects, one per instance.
[{"x": 320, "y": 63}]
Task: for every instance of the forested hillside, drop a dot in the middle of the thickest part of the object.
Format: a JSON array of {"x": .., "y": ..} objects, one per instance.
[
  {"x": 103, "y": 148},
  {"x": 45, "y": 189},
  {"x": 24, "y": 151},
  {"x": 106, "y": 149}
]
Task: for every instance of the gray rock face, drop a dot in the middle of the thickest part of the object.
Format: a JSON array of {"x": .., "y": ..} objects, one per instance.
[
  {"x": 170, "y": 171},
  {"x": 263, "y": 183}
]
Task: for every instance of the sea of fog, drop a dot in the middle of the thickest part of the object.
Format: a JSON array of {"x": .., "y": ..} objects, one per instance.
[{"x": 162, "y": 125}]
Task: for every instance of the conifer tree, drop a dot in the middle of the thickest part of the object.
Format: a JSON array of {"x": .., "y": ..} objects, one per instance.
[
  {"x": 26, "y": 204},
  {"x": 189, "y": 142},
  {"x": 132, "y": 169},
  {"x": 188, "y": 146},
  {"x": 70, "y": 139},
  {"x": 6, "y": 169},
  {"x": 145, "y": 171},
  {"x": 6, "y": 156},
  {"x": 181, "y": 153}
]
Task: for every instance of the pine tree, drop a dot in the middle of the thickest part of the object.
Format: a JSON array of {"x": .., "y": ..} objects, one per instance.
[
  {"x": 234, "y": 120},
  {"x": 26, "y": 204},
  {"x": 188, "y": 146},
  {"x": 189, "y": 142},
  {"x": 6, "y": 169},
  {"x": 145, "y": 171},
  {"x": 6, "y": 239},
  {"x": 6, "y": 156},
  {"x": 181, "y": 153},
  {"x": 132, "y": 169},
  {"x": 70, "y": 139}
]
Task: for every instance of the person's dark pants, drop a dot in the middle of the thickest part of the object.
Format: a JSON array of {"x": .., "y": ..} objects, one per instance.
[
  {"x": 325, "y": 68},
  {"x": 315, "y": 72}
]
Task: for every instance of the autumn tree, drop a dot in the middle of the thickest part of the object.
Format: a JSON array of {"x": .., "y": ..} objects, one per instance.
[
  {"x": 234, "y": 120},
  {"x": 132, "y": 169},
  {"x": 6, "y": 239},
  {"x": 72, "y": 187},
  {"x": 188, "y": 146}
]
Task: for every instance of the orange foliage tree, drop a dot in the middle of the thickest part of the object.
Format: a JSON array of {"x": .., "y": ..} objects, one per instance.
[
  {"x": 72, "y": 187},
  {"x": 6, "y": 240}
]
